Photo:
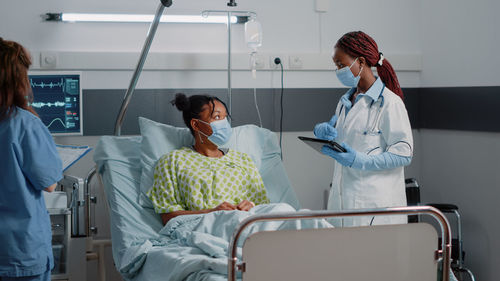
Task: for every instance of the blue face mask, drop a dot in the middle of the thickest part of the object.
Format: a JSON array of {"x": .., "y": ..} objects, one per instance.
[
  {"x": 221, "y": 131},
  {"x": 346, "y": 77}
]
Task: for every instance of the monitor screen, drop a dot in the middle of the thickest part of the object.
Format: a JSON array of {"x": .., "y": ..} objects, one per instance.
[{"x": 57, "y": 98}]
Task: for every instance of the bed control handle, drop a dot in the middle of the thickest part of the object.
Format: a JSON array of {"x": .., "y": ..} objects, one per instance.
[
  {"x": 241, "y": 267},
  {"x": 438, "y": 255}
]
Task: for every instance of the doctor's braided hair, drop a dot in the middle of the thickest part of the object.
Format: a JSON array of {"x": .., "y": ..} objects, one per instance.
[
  {"x": 192, "y": 106},
  {"x": 360, "y": 44},
  {"x": 15, "y": 87}
]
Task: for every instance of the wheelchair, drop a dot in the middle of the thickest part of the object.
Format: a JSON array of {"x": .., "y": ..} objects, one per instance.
[{"x": 457, "y": 252}]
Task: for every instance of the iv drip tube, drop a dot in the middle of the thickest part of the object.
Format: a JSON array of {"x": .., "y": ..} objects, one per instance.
[{"x": 229, "y": 62}]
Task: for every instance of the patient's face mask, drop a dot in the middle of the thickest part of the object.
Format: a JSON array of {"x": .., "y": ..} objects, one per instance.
[
  {"x": 346, "y": 77},
  {"x": 221, "y": 131}
]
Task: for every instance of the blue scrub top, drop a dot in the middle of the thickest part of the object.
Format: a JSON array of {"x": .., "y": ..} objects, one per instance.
[{"x": 29, "y": 163}]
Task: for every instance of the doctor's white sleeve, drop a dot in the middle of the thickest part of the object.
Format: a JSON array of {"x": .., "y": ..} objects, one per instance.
[{"x": 396, "y": 130}]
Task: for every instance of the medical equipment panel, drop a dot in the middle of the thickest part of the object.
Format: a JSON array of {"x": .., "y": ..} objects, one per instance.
[
  {"x": 74, "y": 188},
  {"x": 60, "y": 221},
  {"x": 65, "y": 207},
  {"x": 57, "y": 98}
]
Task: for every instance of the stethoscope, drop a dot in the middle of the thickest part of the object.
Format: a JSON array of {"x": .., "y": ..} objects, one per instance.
[{"x": 377, "y": 116}]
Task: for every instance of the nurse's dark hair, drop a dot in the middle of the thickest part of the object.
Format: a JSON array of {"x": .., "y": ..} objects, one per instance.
[
  {"x": 15, "y": 87},
  {"x": 359, "y": 44},
  {"x": 192, "y": 106}
]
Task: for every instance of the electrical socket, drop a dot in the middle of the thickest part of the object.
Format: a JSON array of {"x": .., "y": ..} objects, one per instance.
[
  {"x": 272, "y": 65},
  {"x": 260, "y": 62},
  {"x": 295, "y": 62},
  {"x": 48, "y": 60}
]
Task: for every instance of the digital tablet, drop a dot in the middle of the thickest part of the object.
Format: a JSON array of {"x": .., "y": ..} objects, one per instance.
[{"x": 317, "y": 144}]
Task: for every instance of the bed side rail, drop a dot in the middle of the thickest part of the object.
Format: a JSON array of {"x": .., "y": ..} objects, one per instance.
[{"x": 444, "y": 253}]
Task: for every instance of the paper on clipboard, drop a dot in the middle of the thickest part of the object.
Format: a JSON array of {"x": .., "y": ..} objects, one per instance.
[{"x": 70, "y": 154}]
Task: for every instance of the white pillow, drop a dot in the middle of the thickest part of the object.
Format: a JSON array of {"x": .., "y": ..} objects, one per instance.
[
  {"x": 260, "y": 144},
  {"x": 157, "y": 139}
]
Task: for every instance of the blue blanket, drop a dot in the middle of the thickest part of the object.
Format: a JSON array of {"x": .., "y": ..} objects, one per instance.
[{"x": 194, "y": 247}]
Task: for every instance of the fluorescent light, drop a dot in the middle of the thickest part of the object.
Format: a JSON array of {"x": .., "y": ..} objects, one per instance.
[{"x": 79, "y": 17}]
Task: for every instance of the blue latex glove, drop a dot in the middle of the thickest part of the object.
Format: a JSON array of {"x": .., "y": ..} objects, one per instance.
[
  {"x": 361, "y": 161},
  {"x": 326, "y": 130},
  {"x": 344, "y": 158}
]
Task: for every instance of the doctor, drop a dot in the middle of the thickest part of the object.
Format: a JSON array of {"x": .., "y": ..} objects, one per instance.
[{"x": 372, "y": 124}]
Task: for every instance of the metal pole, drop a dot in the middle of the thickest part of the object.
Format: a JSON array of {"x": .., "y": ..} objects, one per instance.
[
  {"x": 86, "y": 190},
  {"x": 229, "y": 60},
  {"x": 443, "y": 222},
  {"x": 140, "y": 65},
  {"x": 459, "y": 234}
]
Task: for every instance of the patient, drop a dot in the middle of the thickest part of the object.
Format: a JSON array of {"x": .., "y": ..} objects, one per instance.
[{"x": 205, "y": 177}]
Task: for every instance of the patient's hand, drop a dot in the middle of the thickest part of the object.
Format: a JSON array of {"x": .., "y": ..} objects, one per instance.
[
  {"x": 245, "y": 205},
  {"x": 224, "y": 206}
]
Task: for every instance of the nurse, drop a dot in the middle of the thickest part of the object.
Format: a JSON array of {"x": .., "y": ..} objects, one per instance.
[
  {"x": 29, "y": 165},
  {"x": 372, "y": 124}
]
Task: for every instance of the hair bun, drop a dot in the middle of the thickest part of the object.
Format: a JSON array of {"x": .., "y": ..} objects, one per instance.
[{"x": 181, "y": 102}]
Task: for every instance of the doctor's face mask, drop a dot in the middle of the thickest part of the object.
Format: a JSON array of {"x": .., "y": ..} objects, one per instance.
[
  {"x": 346, "y": 77},
  {"x": 345, "y": 63}
]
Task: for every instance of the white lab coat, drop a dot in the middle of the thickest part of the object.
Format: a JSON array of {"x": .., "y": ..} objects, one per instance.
[{"x": 371, "y": 128}]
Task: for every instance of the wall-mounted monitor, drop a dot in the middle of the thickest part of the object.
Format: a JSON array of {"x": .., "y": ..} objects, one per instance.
[{"x": 57, "y": 98}]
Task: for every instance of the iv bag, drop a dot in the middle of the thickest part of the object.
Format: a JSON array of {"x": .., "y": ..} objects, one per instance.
[{"x": 253, "y": 34}]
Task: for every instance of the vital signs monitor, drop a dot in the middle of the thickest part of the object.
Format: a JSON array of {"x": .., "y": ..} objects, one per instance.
[{"x": 57, "y": 98}]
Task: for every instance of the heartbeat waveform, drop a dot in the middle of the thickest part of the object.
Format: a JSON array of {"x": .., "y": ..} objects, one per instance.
[
  {"x": 56, "y": 119},
  {"x": 50, "y": 85},
  {"x": 49, "y": 104}
]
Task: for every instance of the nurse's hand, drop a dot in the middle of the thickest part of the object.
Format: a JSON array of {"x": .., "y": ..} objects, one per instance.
[
  {"x": 326, "y": 130},
  {"x": 344, "y": 158}
]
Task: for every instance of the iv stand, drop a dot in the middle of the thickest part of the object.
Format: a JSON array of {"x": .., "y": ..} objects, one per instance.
[
  {"x": 140, "y": 64},
  {"x": 229, "y": 15}
]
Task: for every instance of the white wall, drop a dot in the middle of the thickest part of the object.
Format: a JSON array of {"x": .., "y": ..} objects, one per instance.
[
  {"x": 462, "y": 168},
  {"x": 460, "y": 43}
]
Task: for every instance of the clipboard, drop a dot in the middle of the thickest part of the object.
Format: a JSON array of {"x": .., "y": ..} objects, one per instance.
[
  {"x": 70, "y": 154},
  {"x": 317, "y": 144}
]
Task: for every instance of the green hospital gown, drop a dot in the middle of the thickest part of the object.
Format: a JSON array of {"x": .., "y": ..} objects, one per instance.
[{"x": 187, "y": 180}]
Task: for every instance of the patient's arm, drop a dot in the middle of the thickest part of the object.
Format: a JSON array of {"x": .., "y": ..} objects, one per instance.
[{"x": 224, "y": 206}]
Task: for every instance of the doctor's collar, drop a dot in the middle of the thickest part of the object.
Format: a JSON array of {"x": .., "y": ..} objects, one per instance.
[{"x": 375, "y": 90}]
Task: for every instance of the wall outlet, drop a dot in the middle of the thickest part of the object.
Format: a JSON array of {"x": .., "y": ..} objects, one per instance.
[
  {"x": 273, "y": 65},
  {"x": 48, "y": 60},
  {"x": 295, "y": 62},
  {"x": 260, "y": 62}
]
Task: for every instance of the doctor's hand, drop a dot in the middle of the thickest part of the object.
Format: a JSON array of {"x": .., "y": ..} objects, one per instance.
[
  {"x": 344, "y": 158},
  {"x": 245, "y": 205},
  {"x": 326, "y": 130}
]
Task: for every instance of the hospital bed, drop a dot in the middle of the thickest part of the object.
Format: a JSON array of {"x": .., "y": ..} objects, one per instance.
[
  {"x": 259, "y": 248},
  {"x": 405, "y": 251}
]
